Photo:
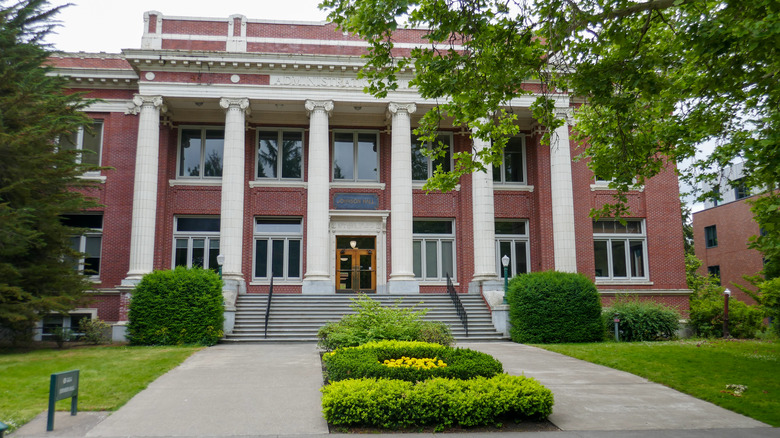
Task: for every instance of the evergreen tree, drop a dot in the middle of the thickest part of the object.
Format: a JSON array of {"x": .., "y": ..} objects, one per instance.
[{"x": 38, "y": 180}]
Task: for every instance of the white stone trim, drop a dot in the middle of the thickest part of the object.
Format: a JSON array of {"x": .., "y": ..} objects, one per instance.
[
  {"x": 276, "y": 183},
  {"x": 88, "y": 177},
  {"x": 109, "y": 106},
  {"x": 419, "y": 186},
  {"x": 357, "y": 185},
  {"x": 195, "y": 182},
  {"x": 512, "y": 187}
]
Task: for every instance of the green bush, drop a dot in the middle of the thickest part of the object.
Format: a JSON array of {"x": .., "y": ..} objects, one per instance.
[
  {"x": 367, "y": 361},
  {"x": 551, "y": 307},
  {"x": 642, "y": 320},
  {"x": 94, "y": 331},
  {"x": 182, "y": 306},
  {"x": 770, "y": 301},
  {"x": 373, "y": 322},
  {"x": 707, "y": 317},
  {"x": 441, "y": 402}
]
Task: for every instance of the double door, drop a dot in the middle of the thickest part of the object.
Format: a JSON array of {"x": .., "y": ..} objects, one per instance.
[{"x": 356, "y": 264}]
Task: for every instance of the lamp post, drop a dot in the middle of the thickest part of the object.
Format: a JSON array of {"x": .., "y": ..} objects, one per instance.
[
  {"x": 220, "y": 262},
  {"x": 505, "y": 262},
  {"x": 726, "y": 296}
]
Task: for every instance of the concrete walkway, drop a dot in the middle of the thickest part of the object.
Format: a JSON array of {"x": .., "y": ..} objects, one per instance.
[{"x": 273, "y": 390}]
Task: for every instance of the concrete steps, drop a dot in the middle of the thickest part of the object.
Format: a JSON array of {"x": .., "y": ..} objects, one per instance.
[{"x": 297, "y": 318}]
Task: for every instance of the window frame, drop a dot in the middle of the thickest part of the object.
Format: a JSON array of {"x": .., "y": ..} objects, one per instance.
[
  {"x": 714, "y": 271},
  {"x": 423, "y": 238},
  {"x": 416, "y": 143},
  {"x": 741, "y": 190},
  {"x": 82, "y": 239},
  {"x": 179, "y": 150},
  {"x": 502, "y": 168},
  {"x": 279, "y": 162},
  {"x": 513, "y": 239},
  {"x": 355, "y": 155},
  {"x": 208, "y": 237},
  {"x": 79, "y": 145},
  {"x": 626, "y": 238},
  {"x": 711, "y": 236},
  {"x": 284, "y": 236}
]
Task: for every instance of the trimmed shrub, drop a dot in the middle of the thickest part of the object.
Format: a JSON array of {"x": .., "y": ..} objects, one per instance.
[
  {"x": 441, "y": 402},
  {"x": 373, "y": 322},
  {"x": 367, "y": 361},
  {"x": 182, "y": 306},
  {"x": 95, "y": 331},
  {"x": 642, "y": 320},
  {"x": 707, "y": 317},
  {"x": 551, "y": 307}
]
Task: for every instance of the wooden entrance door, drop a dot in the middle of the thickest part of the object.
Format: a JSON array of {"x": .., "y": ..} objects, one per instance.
[{"x": 355, "y": 264}]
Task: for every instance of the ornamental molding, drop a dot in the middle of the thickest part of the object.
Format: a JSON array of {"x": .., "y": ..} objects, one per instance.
[
  {"x": 140, "y": 101},
  {"x": 318, "y": 105}
]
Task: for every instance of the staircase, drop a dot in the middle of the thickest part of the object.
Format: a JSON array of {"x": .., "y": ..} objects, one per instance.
[{"x": 296, "y": 318}]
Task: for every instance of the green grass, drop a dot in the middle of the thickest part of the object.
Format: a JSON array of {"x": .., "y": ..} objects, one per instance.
[
  {"x": 701, "y": 368},
  {"x": 109, "y": 376}
]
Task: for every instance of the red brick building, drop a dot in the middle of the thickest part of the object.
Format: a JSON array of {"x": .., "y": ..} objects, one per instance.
[{"x": 254, "y": 140}]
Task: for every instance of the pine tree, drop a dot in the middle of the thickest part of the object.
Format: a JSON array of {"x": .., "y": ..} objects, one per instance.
[{"x": 38, "y": 181}]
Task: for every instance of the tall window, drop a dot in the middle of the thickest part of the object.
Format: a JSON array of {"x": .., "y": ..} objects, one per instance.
[
  {"x": 715, "y": 272},
  {"x": 279, "y": 154},
  {"x": 620, "y": 250},
  {"x": 512, "y": 241},
  {"x": 422, "y": 166},
  {"x": 512, "y": 169},
  {"x": 278, "y": 248},
  {"x": 434, "y": 249},
  {"x": 196, "y": 242},
  {"x": 711, "y": 236},
  {"x": 88, "y": 244},
  {"x": 355, "y": 156},
  {"x": 200, "y": 152},
  {"x": 88, "y": 143}
]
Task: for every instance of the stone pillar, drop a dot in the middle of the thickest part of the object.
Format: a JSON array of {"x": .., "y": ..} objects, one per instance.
[
  {"x": 401, "y": 215},
  {"x": 317, "y": 279},
  {"x": 231, "y": 234},
  {"x": 565, "y": 248},
  {"x": 144, "y": 214}
]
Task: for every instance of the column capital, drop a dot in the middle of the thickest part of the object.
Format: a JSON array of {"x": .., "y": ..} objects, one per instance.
[
  {"x": 321, "y": 105},
  {"x": 140, "y": 101},
  {"x": 394, "y": 108},
  {"x": 567, "y": 114},
  {"x": 240, "y": 103}
]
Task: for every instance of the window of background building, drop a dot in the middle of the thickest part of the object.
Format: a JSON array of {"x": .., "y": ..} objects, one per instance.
[
  {"x": 201, "y": 152},
  {"x": 355, "y": 156},
  {"x": 279, "y": 154},
  {"x": 196, "y": 242},
  {"x": 88, "y": 143},
  {"x": 278, "y": 248},
  {"x": 740, "y": 189},
  {"x": 620, "y": 250},
  {"x": 423, "y": 166},
  {"x": 714, "y": 271},
  {"x": 711, "y": 236},
  {"x": 512, "y": 169},
  {"x": 89, "y": 243},
  {"x": 433, "y": 247},
  {"x": 512, "y": 240}
]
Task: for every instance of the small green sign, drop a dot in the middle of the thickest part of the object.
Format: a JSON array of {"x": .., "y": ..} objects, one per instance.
[{"x": 63, "y": 385}]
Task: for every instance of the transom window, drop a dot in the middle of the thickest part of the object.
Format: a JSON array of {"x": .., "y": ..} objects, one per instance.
[
  {"x": 711, "y": 236},
  {"x": 433, "y": 247},
  {"x": 278, "y": 248},
  {"x": 196, "y": 242},
  {"x": 88, "y": 244},
  {"x": 89, "y": 144},
  {"x": 279, "y": 154},
  {"x": 423, "y": 166},
  {"x": 512, "y": 241},
  {"x": 355, "y": 156},
  {"x": 201, "y": 152},
  {"x": 512, "y": 169},
  {"x": 620, "y": 249}
]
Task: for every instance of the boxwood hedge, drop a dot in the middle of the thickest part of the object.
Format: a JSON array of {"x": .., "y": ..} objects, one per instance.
[{"x": 366, "y": 361}]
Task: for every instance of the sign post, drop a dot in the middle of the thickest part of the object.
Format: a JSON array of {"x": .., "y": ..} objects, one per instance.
[{"x": 63, "y": 385}]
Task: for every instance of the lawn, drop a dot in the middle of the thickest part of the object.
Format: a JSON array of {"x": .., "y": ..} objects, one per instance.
[
  {"x": 109, "y": 376},
  {"x": 701, "y": 368}
]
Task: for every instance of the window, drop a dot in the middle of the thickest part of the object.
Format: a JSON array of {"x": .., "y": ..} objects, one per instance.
[
  {"x": 740, "y": 189},
  {"x": 715, "y": 272},
  {"x": 200, "y": 152},
  {"x": 278, "y": 248},
  {"x": 279, "y": 154},
  {"x": 355, "y": 156},
  {"x": 422, "y": 166},
  {"x": 512, "y": 241},
  {"x": 88, "y": 143},
  {"x": 620, "y": 249},
  {"x": 196, "y": 242},
  {"x": 512, "y": 169},
  {"x": 434, "y": 249},
  {"x": 88, "y": 244},
  {"x": 711, "y": 236}
]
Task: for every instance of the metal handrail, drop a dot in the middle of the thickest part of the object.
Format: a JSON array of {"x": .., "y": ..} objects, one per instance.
[
  {"x": 268, "y": 306},
  {"x": 461, "y": 311}
]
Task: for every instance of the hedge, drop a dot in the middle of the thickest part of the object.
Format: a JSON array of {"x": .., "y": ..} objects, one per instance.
[
  {"x": 366, "y": 361},
  {"x": 642, "y": 320},
  {"x": 442, "y": 402}
]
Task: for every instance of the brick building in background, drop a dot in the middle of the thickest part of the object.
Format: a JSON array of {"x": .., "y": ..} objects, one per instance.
[
  {"x": 254, "y": 140},
  {"x": 721, "y": 232}
]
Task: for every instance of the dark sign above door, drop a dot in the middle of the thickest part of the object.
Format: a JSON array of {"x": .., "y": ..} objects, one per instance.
[{"x": 355, "y": 201}]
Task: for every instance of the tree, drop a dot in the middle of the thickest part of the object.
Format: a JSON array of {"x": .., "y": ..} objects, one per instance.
[
  {"x": 657, "y": 78},
  {"x": 36, "y": 177}
]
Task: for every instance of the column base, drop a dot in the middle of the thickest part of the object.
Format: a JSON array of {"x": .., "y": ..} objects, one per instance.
[
  {"x": 500, "y": 317},
  {"x": 119, "y": 331},
  {"x": 485, "y": 283},
  {"x": 232, "y": 286},
  {"x": 132, "y": 280},
  {"x": 403, "y": 287},
  {"x": 230, "y": 322},
  {"x": 318, "y": 287}
]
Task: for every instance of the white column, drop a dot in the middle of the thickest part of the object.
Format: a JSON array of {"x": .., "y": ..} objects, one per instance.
[
  {"x": 144, "y": 214},
  {"x": 483, "y": 216},
  {"x": 401, "y": 215},
  {"x": 317, "y": 279},
  {"x": 231, "y": 235},
  {"x": 564, "y": 240}
]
